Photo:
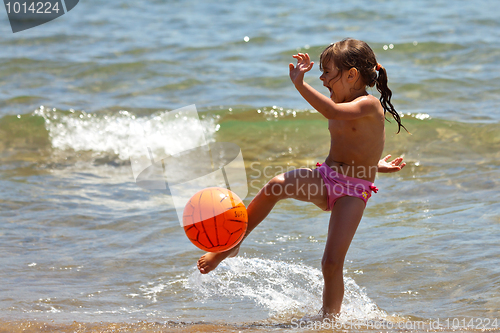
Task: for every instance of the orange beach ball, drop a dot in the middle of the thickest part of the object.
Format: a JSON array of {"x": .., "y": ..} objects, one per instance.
[{"x": 215, "y": 219}]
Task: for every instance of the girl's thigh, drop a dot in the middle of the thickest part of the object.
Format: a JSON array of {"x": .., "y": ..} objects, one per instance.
[
  {"x": 344, "y": 221},
  {"x": 300, "y": 184}
]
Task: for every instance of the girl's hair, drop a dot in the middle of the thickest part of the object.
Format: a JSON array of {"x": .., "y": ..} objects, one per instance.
[{"x": 349, "y": 53}]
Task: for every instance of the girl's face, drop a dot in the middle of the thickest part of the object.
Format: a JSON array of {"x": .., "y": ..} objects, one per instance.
[{"x": 331, "y": 78}]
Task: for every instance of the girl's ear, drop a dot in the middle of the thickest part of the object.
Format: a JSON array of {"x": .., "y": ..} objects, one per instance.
[{"x": 352, "y": 74}]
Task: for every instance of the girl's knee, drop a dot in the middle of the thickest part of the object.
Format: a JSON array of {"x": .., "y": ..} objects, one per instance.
[
  {"x": 331, "y": 265},
  {"x": 276, "y": 187}
]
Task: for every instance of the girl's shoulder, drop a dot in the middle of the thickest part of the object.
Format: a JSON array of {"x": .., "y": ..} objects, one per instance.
[
  {"x": 370, "y": 99},
  {"x": 370, "y": 104}
]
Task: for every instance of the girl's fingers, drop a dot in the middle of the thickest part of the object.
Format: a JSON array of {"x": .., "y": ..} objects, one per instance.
[
  {"x": 303, "y": 60},
  {"x": 303, "y": 57},
  {"x": 386, "y": 158}
]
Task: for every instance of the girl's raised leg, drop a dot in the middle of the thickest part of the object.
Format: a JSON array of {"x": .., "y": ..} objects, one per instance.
[
  {"x": 301, "y": 184},
  {"x": 344, "y": 220}
]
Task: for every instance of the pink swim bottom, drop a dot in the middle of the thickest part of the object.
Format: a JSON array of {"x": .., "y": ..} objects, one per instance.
[{"x": 339, "y": 185}]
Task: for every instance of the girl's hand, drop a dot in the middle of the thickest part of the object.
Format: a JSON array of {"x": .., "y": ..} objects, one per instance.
[
  {"x": 304, "y": 64},
  {"x": 393, "y": 166}
]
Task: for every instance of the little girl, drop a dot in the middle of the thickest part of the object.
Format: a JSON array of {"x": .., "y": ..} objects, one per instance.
[{"x": 344, "y": 182}]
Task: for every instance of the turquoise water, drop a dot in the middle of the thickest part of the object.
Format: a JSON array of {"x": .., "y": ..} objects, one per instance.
[{"x": 82, "y": 242}]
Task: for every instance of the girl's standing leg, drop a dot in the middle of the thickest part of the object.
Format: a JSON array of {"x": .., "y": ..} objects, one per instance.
[
  {"x": 300, "y": 184},
  {"x": 344, "y": 220}
]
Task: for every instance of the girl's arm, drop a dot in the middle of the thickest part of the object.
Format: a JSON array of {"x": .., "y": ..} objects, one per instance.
[{"x": 324, "y": 105}]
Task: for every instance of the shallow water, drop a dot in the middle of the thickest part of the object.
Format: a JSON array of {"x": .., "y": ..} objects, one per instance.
[{"x": 82, "y": 242}]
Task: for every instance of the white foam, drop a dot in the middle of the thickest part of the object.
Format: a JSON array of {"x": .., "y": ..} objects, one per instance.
[
  {"x": 151, "y": 291},
  {"x": 81, "y": 131},
  {"x": 285, "y": 289}
]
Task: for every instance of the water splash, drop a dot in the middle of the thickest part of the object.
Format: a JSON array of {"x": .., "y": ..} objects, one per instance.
[
  {"x": 286, "y": 289},
  {"x": 102, "y": 133}
]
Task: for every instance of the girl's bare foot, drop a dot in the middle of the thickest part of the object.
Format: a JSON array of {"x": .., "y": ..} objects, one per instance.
[{"x": 210, "y": 260}]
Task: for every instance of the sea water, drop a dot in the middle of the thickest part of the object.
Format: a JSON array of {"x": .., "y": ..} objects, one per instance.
[{"x": 81, "y": 242}]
